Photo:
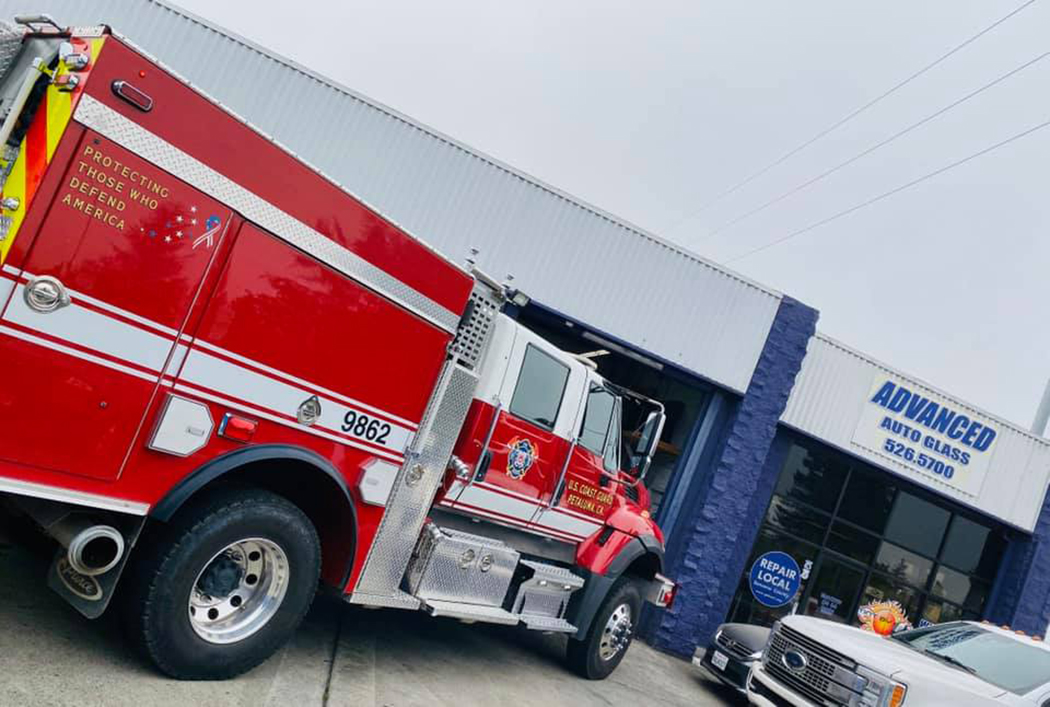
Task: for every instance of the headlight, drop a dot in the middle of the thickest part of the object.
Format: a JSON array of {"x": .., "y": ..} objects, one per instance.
[{"x": 877, "y": 690}]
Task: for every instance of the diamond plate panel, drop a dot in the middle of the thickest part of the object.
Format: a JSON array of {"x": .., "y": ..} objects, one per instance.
[
  {"x": 470, "y": 612},
  {"x": 397, "y": 600},
  {"x": 546, "y": 594},
  {"x": 454, "y": 566},
  {"x": 413, "y": 493},
  {"x": 132, "y": 136},
  {"x": 546, "y": 623},
  {"x": 553, "y": 572}
]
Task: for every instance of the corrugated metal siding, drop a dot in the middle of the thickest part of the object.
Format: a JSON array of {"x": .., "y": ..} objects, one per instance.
[
  {"x": 832, "y": 389},
  {"x": 564, "y": 253}
]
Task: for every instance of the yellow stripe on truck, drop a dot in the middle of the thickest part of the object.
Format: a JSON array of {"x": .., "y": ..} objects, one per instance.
[
  {"x": 58, "y": 110},
  {"x": 15, "y": 186}
]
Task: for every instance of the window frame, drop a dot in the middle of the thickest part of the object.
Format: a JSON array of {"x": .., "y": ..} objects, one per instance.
[
  {"x": 595, "y": 388},
  {"x": 613, "y": 436},
  {"x": 529, "y": 347}
]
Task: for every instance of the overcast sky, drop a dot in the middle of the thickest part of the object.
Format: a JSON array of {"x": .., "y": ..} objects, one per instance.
[{"x": 650, "y": 110}]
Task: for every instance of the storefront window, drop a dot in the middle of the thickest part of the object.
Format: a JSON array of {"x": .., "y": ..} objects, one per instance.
[
  {"x": 798, "y": 520},
  {"x": 939, "y": 612},
  {"x": 870, "y": 537},
  {"x": 960, "y": 588},
  {"x": 745, "y": 608},
  {"x": 834, "y": 590},
  {"x": 902, "y": 565},
  {"x": 852, "y": 542},
  {"x": 884, "y": 588},
  {"x": 867, "y": 500},
  {"x": 972, "y": 548},
  {"x": 917, "y": 524},
  {"x": 812, "y": 477}
]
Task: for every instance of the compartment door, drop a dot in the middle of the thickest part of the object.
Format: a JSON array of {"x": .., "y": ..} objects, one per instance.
[{"x": 94, "y": 313}]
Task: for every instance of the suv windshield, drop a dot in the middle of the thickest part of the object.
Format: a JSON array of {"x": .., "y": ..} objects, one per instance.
[{"x": 1009, "y": 663}]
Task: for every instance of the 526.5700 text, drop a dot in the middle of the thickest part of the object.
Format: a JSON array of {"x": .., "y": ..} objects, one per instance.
[{"x": 918, "y": 458}]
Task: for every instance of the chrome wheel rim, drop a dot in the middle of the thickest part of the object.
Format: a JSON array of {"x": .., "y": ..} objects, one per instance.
[
  {"x": 617, "y": 633},
  {"x": 239, "y": 590}
]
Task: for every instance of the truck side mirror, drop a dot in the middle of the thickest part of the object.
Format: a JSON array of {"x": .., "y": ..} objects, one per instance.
[{"x": 645, "y": 446}]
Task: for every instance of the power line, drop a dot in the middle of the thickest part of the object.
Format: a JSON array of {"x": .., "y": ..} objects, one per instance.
[
  {"x": 842, "y": 121},
  {"x": 876, "y": 146},
  {"x": 891, "y": 192}
]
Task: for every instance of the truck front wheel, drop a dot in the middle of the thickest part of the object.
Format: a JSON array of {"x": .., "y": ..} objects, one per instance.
[
  {"x": 596, "y": 654},
  {"x": 219, "y": 589}
]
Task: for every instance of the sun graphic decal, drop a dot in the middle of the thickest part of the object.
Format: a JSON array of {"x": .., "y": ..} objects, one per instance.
[{"x": 883, "y": 617}]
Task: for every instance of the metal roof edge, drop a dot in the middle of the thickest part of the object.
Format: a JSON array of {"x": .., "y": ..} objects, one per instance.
[
  {"x": 932, "y": 388},
  {"x": 393, "y": 113}
]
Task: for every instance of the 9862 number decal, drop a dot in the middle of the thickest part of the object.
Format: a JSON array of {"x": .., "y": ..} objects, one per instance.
[{"x": 367, "y": 428}]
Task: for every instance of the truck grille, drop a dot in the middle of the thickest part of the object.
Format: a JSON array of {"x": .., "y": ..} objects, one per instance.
[
  {"x": 828, "y": 677},
  {"x": 736, "y": 650},
  {"x": 472, "y": 337}
]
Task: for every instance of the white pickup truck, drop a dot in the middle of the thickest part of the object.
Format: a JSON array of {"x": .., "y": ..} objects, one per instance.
[{"x": 810, "y": 662}]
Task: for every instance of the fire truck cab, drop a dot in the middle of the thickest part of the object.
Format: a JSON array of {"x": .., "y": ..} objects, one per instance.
[{"x": 227, "y": 379}]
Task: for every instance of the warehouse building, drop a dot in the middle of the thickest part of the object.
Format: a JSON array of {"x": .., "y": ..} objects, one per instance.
[{"x": 881, "y": 489}]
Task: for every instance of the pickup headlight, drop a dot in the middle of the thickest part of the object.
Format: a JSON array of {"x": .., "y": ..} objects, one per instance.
[{"x": 877, "y": 690}]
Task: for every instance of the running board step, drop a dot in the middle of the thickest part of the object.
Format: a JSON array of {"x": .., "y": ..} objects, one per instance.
[
  {"x": 469, "y": 612},
  {"x": 547, "y": 623}
]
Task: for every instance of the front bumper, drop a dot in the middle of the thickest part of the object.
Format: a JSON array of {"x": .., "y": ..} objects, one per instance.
[
  {"x": 764, "y": 691},
  {"x": 735, "y": 673}
]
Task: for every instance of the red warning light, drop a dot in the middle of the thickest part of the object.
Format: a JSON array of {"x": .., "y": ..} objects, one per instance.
[{"x": 237, "y": 428}]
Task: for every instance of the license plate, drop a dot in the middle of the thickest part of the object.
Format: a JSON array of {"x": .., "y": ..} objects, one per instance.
[{"x": 720, "y": 660}]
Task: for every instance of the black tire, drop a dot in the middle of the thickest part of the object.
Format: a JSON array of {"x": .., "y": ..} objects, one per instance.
[
  {"x": 584, "y": 654},
  {"x": 167, "y": 564}
]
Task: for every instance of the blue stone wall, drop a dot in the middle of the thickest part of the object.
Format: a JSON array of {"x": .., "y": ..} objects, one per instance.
[
  {"x": 1021, "y": 596},
  {"x": 712, "y": 545}
]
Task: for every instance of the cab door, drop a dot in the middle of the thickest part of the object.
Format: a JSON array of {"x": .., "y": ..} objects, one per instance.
[
  {"x": 93, "y": 313},
  {"x": 585, "y": 498},
  {"x": 529, "y": 440}
]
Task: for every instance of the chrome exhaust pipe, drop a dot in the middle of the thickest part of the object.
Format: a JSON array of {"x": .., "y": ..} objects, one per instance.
[{"x": 91, "y": 550}]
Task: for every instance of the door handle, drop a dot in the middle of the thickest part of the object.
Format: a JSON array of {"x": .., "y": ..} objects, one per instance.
[
  {"x": 483, "y": 466},
  {"x": 485, "y": 459},
  {"x": 45, "y": 294}
]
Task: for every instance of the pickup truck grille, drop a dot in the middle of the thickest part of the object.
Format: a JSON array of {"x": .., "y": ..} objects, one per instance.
[{"x": 828, "y": 677}]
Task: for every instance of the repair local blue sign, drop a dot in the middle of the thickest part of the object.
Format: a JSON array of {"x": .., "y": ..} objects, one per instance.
[{"x": 775, "y": 579}]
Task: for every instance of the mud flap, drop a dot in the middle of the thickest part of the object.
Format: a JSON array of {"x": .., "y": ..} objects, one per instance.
[{"x": 90, "y": 595}]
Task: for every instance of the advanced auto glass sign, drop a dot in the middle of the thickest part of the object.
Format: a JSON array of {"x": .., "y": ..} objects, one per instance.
[{"x": 926, "y": 433}]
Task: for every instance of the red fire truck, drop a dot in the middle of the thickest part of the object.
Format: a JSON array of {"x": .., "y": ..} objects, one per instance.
[{"x": 216, "y": 356}]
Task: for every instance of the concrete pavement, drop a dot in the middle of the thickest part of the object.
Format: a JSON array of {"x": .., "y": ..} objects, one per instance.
[{"x": 342, "y": 656}]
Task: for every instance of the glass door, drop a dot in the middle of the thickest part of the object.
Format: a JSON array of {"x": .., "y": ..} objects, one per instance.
[{"x": 832, "y": 592}]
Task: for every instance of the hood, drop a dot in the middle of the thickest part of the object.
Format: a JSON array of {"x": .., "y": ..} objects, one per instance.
[
  {"x": 890, "y": 657},
  {"x": 753, "y": 638}
]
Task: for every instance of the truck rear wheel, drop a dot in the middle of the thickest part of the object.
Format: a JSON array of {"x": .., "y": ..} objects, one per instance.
[
  {"x": 596, "y": 654},
  {"x": 224, "y": 585}
]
